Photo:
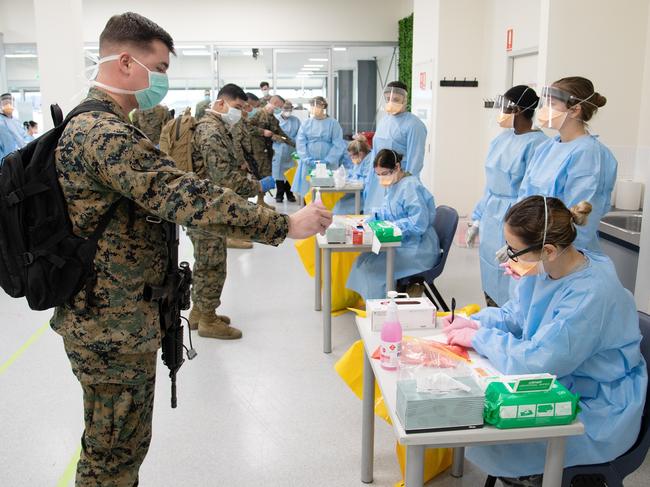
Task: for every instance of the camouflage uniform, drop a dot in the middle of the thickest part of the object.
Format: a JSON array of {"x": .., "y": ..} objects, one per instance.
[
  {"x": 152, "y": 121},
  {"x": 213, "y": 158},
  {"x": 263, "y": 146},
  {"x": 112, "y": 340},
  {"x": 201, "y": 107},
  {"x": 242, "y": 140}
]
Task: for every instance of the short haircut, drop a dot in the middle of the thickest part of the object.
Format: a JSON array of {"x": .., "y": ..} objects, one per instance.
[
  {"x": 252, "y": 97},
  {"x": 264, "y": 84},
  {"x": 233, "y": 92},
  {"x": 397, "y": 84},
  {"x": 279, "y": 98},
  {"x": 132, "y": 28}
]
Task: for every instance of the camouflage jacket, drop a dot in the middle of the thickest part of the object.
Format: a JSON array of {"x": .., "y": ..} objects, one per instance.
[
  {"x": 152, "y": 121},
  {"x": 214, "y": 156},
  {"x": 102, "y": 158},
  {"x": 242, "y": 139},
  {"x": 200, "y": 108},
  {"x": 263, "y": 146}
]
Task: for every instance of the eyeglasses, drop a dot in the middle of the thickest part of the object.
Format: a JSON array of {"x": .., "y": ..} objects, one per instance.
[{"x": 515, "y": 254}]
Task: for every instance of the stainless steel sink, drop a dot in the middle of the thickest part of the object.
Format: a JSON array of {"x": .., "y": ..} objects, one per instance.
[{"x": 625, "y": 225}]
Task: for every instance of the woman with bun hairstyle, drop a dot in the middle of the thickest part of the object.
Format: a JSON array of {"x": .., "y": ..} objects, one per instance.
[
  {"x": 571, "y": 317},
  {"x": 573, "y": 166}
]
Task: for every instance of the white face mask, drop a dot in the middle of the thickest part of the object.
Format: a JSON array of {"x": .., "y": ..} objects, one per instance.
[{"x": 232, "y": 116}]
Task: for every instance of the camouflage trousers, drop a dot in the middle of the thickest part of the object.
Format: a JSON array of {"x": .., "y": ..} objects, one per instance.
[
  {"x": 118, "y": 393},
  {"x": 265, "y": 165},
  {"x": 209, "y": 272}
]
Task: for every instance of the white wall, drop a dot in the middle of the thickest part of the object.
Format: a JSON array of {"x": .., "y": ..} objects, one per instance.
[
  {"x": 605, "y": 42},
  {"x": 232, "y": 21},
  {"x": 642, "y": 289}
]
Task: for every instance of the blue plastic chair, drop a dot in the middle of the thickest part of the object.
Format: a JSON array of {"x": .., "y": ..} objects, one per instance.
[
  {"x": 445, "y": 225},
  {"x": 612, "y": 473}
]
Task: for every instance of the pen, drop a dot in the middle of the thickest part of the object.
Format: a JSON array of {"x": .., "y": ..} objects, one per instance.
[{"x": 453, "y": 309}]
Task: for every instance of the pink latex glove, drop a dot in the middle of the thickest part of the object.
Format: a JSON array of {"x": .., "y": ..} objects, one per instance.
[
  {"x": 507, "y": 270},
  {"x": 462, "y": 337},
  {"x": 458, "y": 323}
]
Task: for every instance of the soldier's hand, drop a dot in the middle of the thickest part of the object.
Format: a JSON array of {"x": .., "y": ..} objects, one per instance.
[
  {"x": 267, "y": 133},
  {"x": 309, "y": 221}
]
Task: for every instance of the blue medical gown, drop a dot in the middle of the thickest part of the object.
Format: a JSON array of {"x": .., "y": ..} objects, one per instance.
[
  {"x": 409, "y": 205},
  {"x": 356, "y": 173},
  {"x": 505, "y": 166},
  {"x": 583, "y": 169},
  {"x": 584, "y": 328},
  {"x": 12, "y": 135},
  {"x": 405, "y": 134},
  {"x": 282, "y": 161},
  {"x": 317, "y": 140}
]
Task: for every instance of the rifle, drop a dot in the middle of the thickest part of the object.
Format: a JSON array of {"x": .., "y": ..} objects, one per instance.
[{"x": 172, "y": 297}]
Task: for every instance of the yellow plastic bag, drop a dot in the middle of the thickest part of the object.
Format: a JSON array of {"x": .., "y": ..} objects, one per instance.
[
  {"x": 290, "y": 174},
  {"x": 342, "y": 262},
  {"x": 329, "y": 199},
  {"x": 350, "y": 369}
]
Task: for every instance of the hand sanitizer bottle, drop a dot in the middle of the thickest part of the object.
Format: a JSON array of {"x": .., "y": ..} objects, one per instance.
[{"x": 391, "y": 336}]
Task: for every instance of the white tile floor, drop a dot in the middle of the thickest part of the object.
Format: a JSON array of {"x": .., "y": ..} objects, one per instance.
[{"x": 267, "y": 410}]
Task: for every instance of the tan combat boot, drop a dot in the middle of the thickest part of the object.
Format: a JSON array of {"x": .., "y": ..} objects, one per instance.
[
  {"x": 235, "y": 243},
  {"x": 215, "y": 327},
  {"x": 196, "y": 315}
]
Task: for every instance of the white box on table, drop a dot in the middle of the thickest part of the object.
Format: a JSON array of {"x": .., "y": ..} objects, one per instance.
[{"x": 413, "y": 313}]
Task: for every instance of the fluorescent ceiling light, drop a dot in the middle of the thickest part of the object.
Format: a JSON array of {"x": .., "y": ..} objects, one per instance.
[
  {"x": 203, "y": 52},
  {"x": 191, "y": 46},
  {"x": 15, "y": 56},
  {"x": 339, "y": 48},
  {"x": 314, "y": 65},
  {"x": 317, "y": 59},
  {"x": 310, "y": 69}
]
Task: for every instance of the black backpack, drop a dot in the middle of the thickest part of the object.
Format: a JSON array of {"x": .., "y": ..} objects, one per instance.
[{"x": 40, "y": 256}]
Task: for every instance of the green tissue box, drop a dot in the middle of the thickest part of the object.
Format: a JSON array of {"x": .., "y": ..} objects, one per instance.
[
  {"x": 507, "y": 409},
  {"x": 385, "y": 231}
]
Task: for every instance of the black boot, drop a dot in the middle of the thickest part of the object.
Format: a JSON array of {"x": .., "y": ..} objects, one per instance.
[
  {"x": 279, "y": 191},
  {"x": 287, "y": 189}
]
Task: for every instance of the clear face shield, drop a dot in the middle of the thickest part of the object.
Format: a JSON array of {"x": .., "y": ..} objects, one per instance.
[
  {"x": 507, "y": 109},
  {"x": 554, "y": 106},
  {"x": 395, "y": 100},
  {"x": 317, "y": 108}
]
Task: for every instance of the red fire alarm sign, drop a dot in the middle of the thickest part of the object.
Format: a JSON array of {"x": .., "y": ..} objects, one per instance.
[{"x": 509, "y": 36}]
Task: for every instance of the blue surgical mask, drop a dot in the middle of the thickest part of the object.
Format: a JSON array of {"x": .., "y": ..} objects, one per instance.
[
  {"x": 277, "y": 111},
  {"x": 252, "y": 112},
  {"x": 147, "y": 97}
]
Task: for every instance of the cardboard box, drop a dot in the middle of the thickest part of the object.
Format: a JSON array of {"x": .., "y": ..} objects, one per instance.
[{"x": 413, "y": 313}]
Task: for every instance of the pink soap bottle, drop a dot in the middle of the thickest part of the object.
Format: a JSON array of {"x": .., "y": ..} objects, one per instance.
[{"x": 391, "y": 336}]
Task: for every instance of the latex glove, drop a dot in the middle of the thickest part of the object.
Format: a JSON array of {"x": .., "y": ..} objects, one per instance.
[
  {"x": 308, "y": 221},
  {"x": 507, "y": 270},
  {"x": 267, "y": 183},
  {"x": 462, "y": 337},
  {"x": 458, "y": 324},
  {"x": 472, "y": 233}
]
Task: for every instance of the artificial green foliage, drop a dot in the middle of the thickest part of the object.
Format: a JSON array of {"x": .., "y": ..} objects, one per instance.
[{"x": 405, "y": 65}]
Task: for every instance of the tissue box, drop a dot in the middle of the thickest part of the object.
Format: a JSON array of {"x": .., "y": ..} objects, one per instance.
[
  {"x": 335, "y": 234},
  {"x": 323, "y": 181},
  {"x": 413, "y": 313},
  {"x": 421, "y": 412},
  {"x": 386, "y": 231},
  {"x": 507, "y": 409}
]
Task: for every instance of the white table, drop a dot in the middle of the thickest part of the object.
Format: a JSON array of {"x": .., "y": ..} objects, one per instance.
[
  {"x": 326, "y": 302},
  {"x": 350, "y": 188},
  {"x": 458, "y": 439}
]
